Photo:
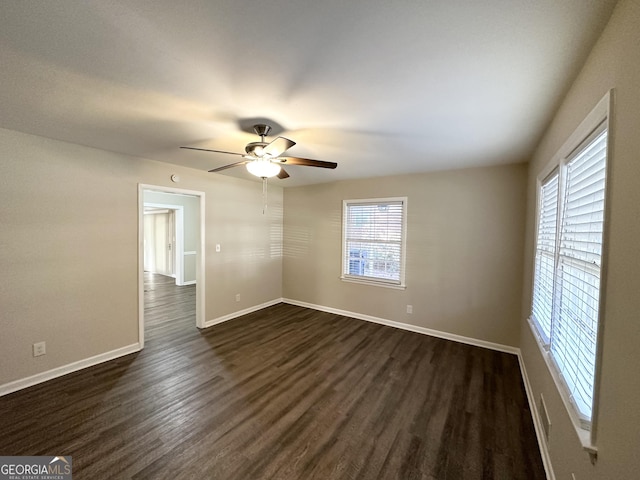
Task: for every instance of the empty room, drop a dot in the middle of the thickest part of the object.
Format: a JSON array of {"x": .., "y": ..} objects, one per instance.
[{"x": 320, "y": 240}]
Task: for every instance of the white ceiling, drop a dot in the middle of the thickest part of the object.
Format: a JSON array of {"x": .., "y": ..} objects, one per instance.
[{"x": 382, "y": 87}]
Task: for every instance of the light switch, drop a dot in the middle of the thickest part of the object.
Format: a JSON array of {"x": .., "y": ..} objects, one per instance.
[{"x": 217, "y": 247}]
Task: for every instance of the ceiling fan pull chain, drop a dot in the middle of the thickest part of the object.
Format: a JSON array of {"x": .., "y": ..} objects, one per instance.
[{"x": 264, "y": 195}]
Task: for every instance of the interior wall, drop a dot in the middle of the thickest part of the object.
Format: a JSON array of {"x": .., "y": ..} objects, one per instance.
[
  {"x": 613, "y": 63},
  {"x": 191, "y": 220},
  {"x": 465, "y": 231},
  {"x": 69, "y": 248}
]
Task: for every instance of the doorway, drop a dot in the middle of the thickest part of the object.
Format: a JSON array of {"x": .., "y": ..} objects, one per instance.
[
  {"x": 160, "y": 241},
  {"x": 165, "y": 232},
  {"x": 161, "y": 220}
]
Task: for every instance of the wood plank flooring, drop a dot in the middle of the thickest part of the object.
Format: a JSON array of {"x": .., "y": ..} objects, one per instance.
[{"x": 283, "y": 393}]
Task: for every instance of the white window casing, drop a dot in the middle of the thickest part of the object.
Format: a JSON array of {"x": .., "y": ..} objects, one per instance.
[
  {"x": 374, "y": 241},
  {"x": 567, "y": 290}
]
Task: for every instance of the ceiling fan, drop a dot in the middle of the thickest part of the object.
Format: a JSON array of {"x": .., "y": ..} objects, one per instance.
[{"x": 264, "y": 159}]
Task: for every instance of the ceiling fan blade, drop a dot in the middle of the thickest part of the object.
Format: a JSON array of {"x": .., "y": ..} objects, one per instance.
[
  {"x": 283, "y": 174},
  {"x": 307, "y": 162},
  {"x": 237, "y": 164},
  {"x": 215, "y": 151},
  {"x": 278, "y": 146}
]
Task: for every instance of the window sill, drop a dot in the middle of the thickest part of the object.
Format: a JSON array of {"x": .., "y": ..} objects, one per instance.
[
  {"x": 582, "y": 433},
  {"x": 373, "y": 283}
]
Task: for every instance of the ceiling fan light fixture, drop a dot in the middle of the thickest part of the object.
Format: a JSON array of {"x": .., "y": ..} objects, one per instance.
[
  {"x": 263, "y": 159},
  {"x": 263, "y": 168}
]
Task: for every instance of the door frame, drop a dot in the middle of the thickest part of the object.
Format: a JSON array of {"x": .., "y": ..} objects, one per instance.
[
  {"x": 178, "y": 232},
  {"x": 200, "y": 261}
]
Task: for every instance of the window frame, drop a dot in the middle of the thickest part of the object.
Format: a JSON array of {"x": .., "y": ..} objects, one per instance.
[
  {"x": 381, "y": 282},
  {"x": 598, "y": 119},
  {"x": 542, "y": 335}
]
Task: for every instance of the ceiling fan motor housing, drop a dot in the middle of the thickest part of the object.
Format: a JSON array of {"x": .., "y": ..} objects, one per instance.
[
  {"x": 262, "y": 129},
  {"x": 255, "y": 149}
]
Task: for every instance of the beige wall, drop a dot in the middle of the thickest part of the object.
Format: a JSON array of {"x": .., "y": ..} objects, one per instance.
[
  {"x": 69, "y": 248},
  {"x": 614, "y": 63},
  {"x": 465, "y": 231},
  {"x": 68, "y": 252}
]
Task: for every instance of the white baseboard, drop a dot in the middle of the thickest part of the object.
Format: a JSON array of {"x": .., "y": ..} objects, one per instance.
[
  {"x": 411, "y": 328},
  {"x": 231, "y": 316},
  {"x": 65, "y": 369},
  {"x": 537, "y": 424}
]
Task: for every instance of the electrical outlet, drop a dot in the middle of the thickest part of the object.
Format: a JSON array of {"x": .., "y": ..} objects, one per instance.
[
  {"x": 218, "y": 247},
  {"x": 39, "y": 349},
  {"x": 237, "y": 297},
  {"x": 409, "y": 308}
]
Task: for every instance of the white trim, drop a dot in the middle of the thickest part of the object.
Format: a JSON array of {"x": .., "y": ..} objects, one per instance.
[
  {"x": 608, "y": 107},
  {"x": 380, "y": 282},
  {"x": 193, "y": 252},
  {"x": 584, "y": 436},
  {"x": 140, "y": 266},
  {"x": 231, "y": 316},
  {"x": 66, "y": 369},
  {"x": 157, "y": 212},
  {"x": 178, "y": 248},
  {"x": 190, "y": 282},
  {"x": 200, "y": 263},
  {"x": 407, "y": 326},
  {"x": 600, "y": 114},
  {"x": 200, "y": 267},
  {"x": 363, "y": 281},
  {"x": 537, "y": 424}
]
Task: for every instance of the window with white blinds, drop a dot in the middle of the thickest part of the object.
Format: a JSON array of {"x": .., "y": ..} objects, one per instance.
[
  {"x": 373, "y": 247},
  {"x": 568, "y": 261},
  {"x": 545, "y": 256}
]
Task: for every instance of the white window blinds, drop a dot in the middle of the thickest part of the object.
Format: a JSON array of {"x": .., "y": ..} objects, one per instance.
[
  {"x": 374, "y": 240},
  {"x": 579, "y": 260},
  {"x": 568, "y": 261},
  {"x": 545, "y": 256}
]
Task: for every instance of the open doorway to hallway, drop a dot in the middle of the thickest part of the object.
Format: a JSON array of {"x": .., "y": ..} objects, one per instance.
[{"x": 170, "y": 266}]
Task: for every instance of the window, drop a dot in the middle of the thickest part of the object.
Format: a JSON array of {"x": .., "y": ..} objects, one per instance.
[
  {"x": 373, "y": 247},
  {"x": 545, "y": 256},
  {"x": 568, "y": 264}
]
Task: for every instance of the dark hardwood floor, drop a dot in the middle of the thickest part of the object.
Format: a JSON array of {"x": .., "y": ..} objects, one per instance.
[{"x": 283, "y": 393}]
